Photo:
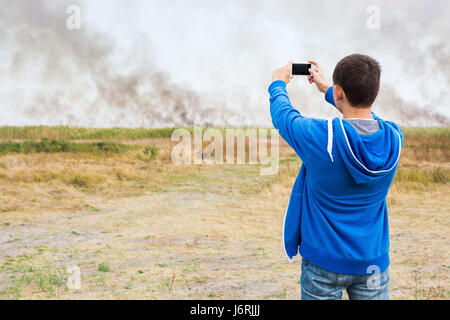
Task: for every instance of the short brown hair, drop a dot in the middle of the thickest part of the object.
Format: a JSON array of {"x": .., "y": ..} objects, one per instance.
[{"x": 359, "y": 76}]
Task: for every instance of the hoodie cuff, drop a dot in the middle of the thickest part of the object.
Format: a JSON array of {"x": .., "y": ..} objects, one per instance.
[{"x": 277, "y": 83}]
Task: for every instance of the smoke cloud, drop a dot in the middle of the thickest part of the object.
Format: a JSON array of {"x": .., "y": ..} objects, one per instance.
[{"x": 154, "y": 64}]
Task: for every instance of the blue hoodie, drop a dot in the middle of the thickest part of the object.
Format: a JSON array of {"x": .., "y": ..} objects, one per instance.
[{"x": 337, "y": 215}]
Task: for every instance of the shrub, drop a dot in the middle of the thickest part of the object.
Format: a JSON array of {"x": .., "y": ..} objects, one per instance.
[{"x": 104, "y": 267}]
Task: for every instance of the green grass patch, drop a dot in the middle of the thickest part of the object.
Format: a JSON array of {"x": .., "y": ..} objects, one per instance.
[
  {"x": 80, "y": 133},
  {"x": 423, "y": 176},
  {"x": 104, "y": 267},
  {"x": 435, "y": 133},
  {"x": 54, "y": 146},
  {"x": 148, "y": 154},
  {"x": 22, "y": 276},
  {"x": 427, "y": 138},
  {"x": 76, "y": 133},
  {"x": 277, "y": 295}
]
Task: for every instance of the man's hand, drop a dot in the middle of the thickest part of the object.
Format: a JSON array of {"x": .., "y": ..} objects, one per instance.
[
  {"x": 318, "y": 77},
  {"x": 283, "y": 73}
]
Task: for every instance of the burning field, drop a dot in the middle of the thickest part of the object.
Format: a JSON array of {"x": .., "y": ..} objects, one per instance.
[
  {"x": 112, "y": 203},
  {"x": 110, "y": 208}
]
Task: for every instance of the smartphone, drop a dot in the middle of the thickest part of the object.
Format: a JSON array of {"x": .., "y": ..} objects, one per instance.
[{"x": 301, "y": 69}]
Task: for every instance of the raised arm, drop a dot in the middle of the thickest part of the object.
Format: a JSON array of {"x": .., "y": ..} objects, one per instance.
[
  {"x": 281, "y": 110},
  {"x": 298, "y": 131},
  {"x": 318, "y": 78}
]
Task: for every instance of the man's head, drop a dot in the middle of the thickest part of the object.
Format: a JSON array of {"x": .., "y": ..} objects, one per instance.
[{"x": 356, "y": 81}]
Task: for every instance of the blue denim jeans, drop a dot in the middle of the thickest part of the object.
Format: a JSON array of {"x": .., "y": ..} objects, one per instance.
[{"x": 321, "y": 284}]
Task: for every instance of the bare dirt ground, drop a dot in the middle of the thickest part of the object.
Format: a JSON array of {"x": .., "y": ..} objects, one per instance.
[{"x": 207, "y": 232}]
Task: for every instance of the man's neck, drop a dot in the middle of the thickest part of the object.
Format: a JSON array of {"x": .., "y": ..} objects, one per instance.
[{"x": 360, "y": 113}]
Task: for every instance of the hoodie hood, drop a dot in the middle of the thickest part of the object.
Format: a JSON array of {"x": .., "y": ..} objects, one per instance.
[{"x": 366, "y": 157}]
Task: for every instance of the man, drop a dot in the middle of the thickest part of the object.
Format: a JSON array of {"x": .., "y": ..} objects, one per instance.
[{"x": 337, "y": 216}]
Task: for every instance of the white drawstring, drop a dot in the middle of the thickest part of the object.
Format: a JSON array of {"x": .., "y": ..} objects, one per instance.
[{"x": 330, "y": 138}]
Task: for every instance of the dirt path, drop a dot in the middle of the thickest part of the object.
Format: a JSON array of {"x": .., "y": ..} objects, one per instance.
[
  {"x": 183, "y": 244},
  {"x": 167, "y": 245}
]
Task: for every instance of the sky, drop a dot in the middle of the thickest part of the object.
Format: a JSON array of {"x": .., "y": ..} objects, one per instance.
[{"x": 169, "y": 63}]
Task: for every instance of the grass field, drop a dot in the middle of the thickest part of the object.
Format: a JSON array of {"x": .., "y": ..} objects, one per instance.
[{"x": 111, "y": 202}]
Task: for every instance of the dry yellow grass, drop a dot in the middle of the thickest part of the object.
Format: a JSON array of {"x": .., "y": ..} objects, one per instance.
[{"x": 151, "y": 229}]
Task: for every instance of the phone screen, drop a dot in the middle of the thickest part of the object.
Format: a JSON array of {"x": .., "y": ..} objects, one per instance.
[{"x": 301, "y": 69}]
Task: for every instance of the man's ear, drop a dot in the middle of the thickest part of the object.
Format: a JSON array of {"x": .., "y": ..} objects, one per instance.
[{"x": 338, "y": 92}]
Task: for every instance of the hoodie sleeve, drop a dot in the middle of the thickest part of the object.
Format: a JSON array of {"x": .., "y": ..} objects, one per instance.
[
  {"x": 329, "y": 96},
  {"x": 300, "y": 132}
]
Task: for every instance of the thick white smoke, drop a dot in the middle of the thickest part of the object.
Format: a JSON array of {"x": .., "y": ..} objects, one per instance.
[{"x": 165, "y": 63}]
